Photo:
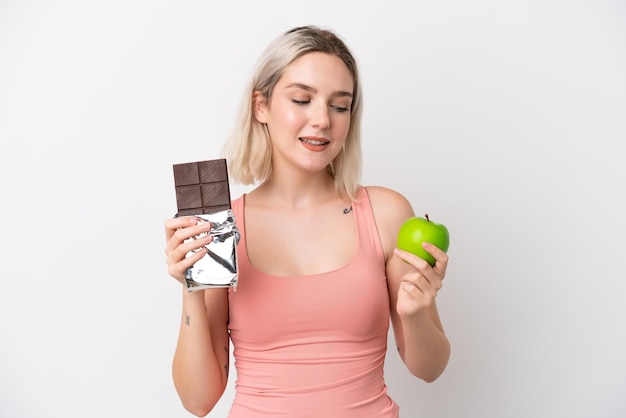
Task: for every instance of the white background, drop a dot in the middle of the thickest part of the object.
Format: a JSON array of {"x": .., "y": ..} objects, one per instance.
[{"x": 502, "y": 120}]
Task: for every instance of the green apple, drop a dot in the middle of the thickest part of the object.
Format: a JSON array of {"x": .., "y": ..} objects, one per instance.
[{"x": 416, "y": 230}]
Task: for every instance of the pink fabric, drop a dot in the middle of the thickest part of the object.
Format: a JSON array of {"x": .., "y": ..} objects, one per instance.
[{"x": 312, "y": 346}]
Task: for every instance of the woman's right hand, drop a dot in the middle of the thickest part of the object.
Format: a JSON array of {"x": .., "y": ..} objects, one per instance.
[{"x": 177, "y": 231}]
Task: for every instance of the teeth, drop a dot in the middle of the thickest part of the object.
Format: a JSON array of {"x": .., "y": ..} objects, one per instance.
[{"x": 313, "y": 142}]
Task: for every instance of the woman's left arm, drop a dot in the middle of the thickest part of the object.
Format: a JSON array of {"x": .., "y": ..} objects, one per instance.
[{"x": 413, "y": 286}]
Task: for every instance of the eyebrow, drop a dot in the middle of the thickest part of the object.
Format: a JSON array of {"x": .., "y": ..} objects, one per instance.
[{"x": 313, "y": 90}]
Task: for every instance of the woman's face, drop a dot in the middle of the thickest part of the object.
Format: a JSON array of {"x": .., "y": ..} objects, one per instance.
[{"x": 308, "y": 116}]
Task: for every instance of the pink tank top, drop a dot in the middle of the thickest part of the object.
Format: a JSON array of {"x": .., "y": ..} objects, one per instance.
[{"x": 312, "y": 346}]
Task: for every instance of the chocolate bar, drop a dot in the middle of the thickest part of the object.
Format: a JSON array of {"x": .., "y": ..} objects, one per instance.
[
  {"x": 201, "y": 187},
  {"x": 202, "y": 192}
]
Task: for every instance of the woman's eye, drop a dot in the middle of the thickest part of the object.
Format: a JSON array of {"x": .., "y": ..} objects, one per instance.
[
  {"x": 340, "y": 109},
  {"x": 300, "y": 102}
]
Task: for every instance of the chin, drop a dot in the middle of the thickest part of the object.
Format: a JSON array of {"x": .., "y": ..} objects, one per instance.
[{"x": 316, "y": 167}]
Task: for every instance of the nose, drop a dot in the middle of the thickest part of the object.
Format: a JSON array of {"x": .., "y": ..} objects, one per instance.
[{"x": 320, "y": 117}]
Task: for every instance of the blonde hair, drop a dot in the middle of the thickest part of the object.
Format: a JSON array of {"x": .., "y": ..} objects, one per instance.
[{"x": 249, "y": 150}]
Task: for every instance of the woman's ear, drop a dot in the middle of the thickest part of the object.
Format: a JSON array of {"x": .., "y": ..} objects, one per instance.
[{"x": 259, "y": 105}]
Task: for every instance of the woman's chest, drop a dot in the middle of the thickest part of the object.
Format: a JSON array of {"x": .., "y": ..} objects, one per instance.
[
  {"x": 349, "y": 304},
  {"x": 300, "y": 244}
]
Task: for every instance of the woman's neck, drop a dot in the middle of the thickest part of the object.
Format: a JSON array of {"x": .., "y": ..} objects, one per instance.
[{"x": 296, "y": 191}]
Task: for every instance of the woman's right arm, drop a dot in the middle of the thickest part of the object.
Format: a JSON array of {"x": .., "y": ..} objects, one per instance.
[{"x": 200, "y": 365}]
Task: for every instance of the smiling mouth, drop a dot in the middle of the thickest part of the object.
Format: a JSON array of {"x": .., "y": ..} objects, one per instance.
[{"x": 315, "y": 142}]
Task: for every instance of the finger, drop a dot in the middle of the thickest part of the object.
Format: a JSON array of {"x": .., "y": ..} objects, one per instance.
[
  {"x": 435, "y": 281},
  {"x": 178, "y": 269},
  {"x": 412, "y": 259},
  {"x": 181, "y": 251},
  {"x": 440, "y": 256},
  {"x": 174, "y": 224},
  {"x": 177, "y": 236},
  {"x": 414, "y": 297},
  {"x": 433, "y": 274},
  {"x": 197, "y": 230},
  {"x": 410, "y": 288},
  {"x": 428, "y": 286}
]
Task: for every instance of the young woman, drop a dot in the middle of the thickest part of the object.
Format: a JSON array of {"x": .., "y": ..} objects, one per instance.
[{"x": 319, "y": 275}]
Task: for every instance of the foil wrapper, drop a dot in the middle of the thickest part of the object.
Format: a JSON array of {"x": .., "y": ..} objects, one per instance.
[{"x": 218, "y": 268}]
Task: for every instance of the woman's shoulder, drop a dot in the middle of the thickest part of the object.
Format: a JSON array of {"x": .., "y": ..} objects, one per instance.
[
  {"x": 389, "y": 203},
  {"x": 390, "y": 209}
]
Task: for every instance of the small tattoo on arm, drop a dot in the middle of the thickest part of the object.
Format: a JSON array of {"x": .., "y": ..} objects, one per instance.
[{"x": 187, "y": 320}]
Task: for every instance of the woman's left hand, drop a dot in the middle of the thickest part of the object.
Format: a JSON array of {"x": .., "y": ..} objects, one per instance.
[{"x": 418, "y": 287}]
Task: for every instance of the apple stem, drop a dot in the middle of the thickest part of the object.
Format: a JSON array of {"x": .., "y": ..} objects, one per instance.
[{"x": 427, "y": 217}]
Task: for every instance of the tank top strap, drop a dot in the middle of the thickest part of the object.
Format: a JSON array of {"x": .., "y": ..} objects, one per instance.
[
  {"x": 369, "y": 240},
  {"x": 237, "y": 207}
]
